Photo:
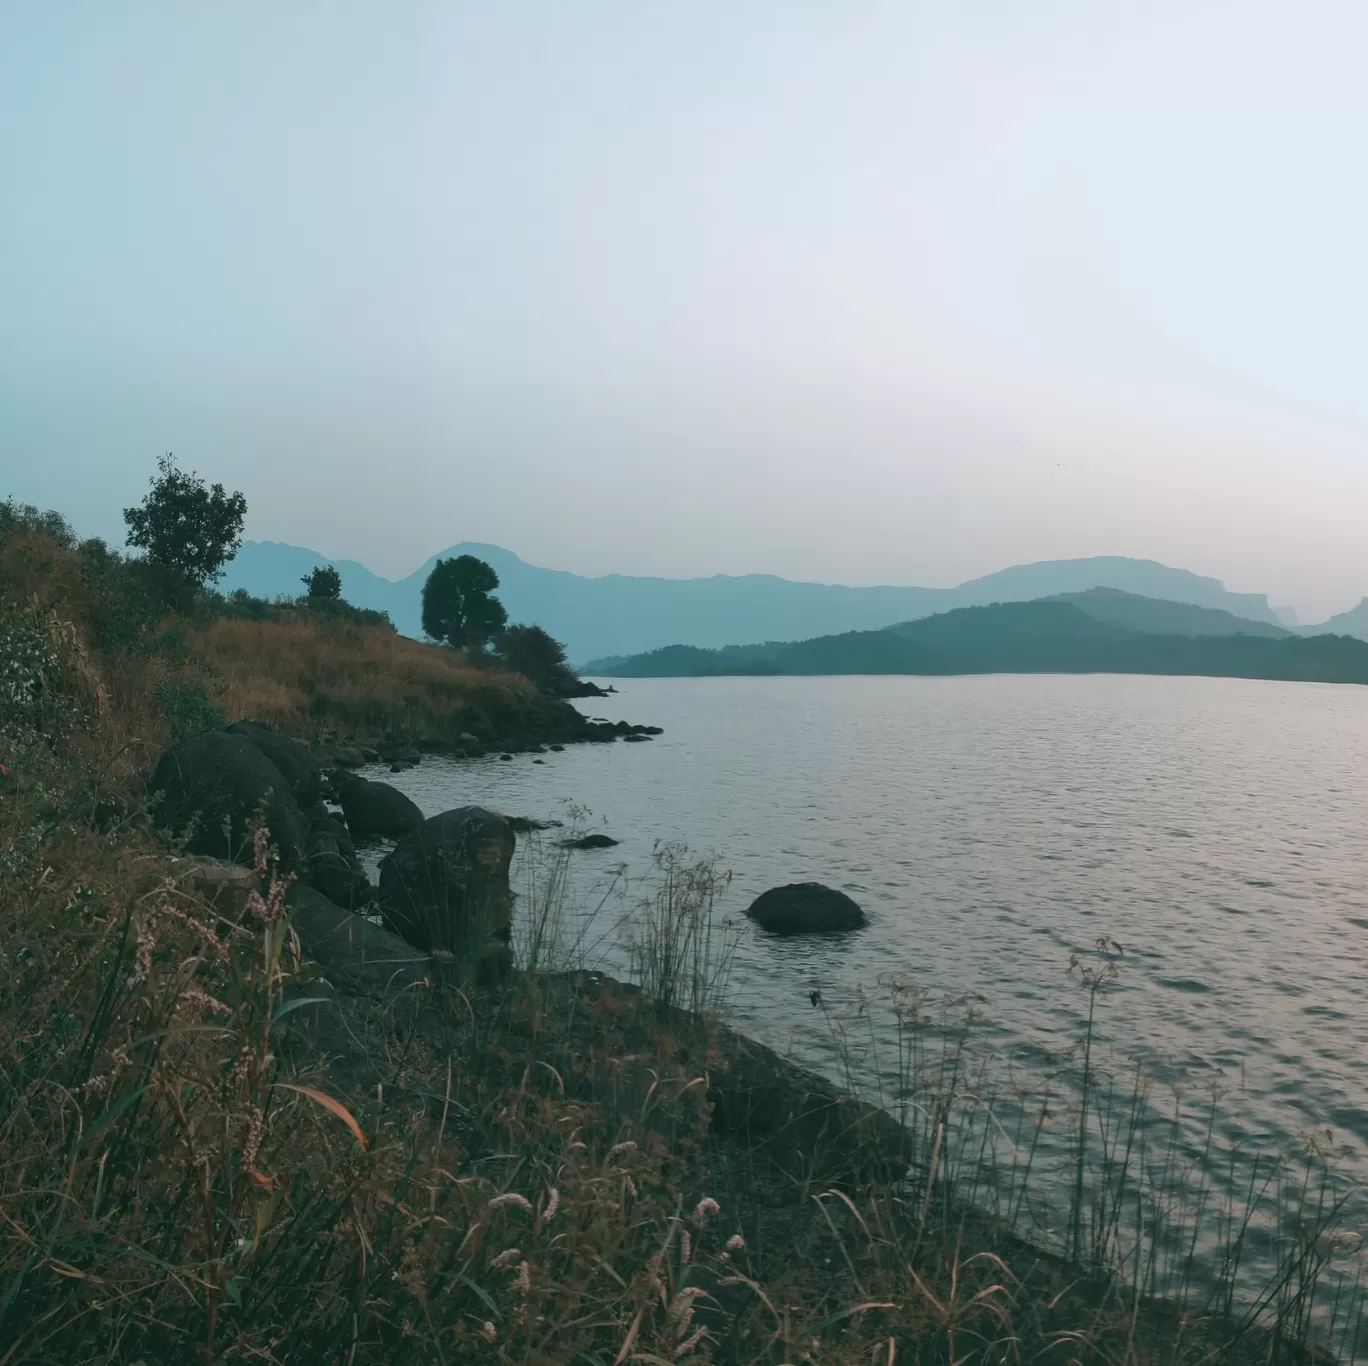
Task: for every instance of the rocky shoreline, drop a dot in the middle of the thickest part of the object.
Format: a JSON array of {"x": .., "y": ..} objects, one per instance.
[{"x": 517, "y": 727}]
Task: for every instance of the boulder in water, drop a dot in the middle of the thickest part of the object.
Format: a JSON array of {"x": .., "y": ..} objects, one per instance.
[
  {"x": 806, "y": 908},
  {"x": 373, "y": 808},
  {"x": 445, "y": 884},
  {"x": 589, "y": 842}
]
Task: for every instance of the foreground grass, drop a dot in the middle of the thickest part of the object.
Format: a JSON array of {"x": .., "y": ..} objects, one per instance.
[{"x": 206, "y": 1156}]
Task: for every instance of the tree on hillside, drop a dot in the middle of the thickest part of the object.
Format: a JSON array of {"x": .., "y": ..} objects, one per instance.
[
  {"x": 323, "y": 581},
  {"x": 186, "y": 527},
  {"x": 530, "y": 651},
  {"x": 457, "y": 606}
]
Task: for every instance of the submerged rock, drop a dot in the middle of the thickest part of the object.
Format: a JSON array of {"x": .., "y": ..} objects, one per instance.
[
  {"x": 806, "y": 908},
  {"x": 589, "y": 842},
  {"x": 445, "y": 884}
]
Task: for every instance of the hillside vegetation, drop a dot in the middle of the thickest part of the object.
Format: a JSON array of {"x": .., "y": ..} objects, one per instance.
[{"x": 1091, "y": 633}]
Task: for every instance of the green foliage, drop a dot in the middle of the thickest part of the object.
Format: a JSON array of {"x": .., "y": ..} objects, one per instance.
[
  {"x": 532, "y": 652},
  {"x": 24, "y": 517},
  {"x": 186, "y": 527},
  {"x": 124, "y": 599},
  {"x": 323, "y": 583},
  {"x": 36, "y": 696},
  {"x": 457, "y": 607},
  {"x": 187, "y": 709}
]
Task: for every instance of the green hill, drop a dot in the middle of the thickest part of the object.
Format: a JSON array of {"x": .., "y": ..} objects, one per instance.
[
  {"x": 1053, "y": 635},
  {"x": 1159, "y": 617}
]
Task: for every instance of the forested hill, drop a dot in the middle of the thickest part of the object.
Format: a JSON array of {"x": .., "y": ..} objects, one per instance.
[{"x": 1048, "y": 636}]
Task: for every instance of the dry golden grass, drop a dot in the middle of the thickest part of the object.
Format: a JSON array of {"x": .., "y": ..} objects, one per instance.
[{"x": 307, "y": 675}]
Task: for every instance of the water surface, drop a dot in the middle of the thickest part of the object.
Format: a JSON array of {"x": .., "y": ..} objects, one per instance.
[{"x": 994, "y": 826}]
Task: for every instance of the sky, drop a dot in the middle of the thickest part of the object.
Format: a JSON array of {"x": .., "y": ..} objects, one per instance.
[{"x": 856, "y": 292}]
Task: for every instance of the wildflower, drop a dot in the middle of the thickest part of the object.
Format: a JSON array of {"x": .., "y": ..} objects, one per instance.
[
  {"x": 686, "y": 1347},
  {"x": 524, "y": 1281},
  {"x": 552, "y": 1205},
  {"x": 489, "y": 1332},
  {"x": 627, "y": 1147},
  {"x": 251, "y": 1142},
  {"x": 735, "y": 1243},
  {"x": 511, "y": 1198},
  {"x": 506, "y": 1258},
  {"x": 685, "y": 1246},
  {"x": 706, "y": 1206}
]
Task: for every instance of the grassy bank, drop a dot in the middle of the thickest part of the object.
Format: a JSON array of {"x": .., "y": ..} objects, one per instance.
[{"x": 208, "y": 1154}]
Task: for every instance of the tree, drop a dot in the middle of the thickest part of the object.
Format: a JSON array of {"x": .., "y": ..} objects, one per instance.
[
  {"x": 323, "y": 581},
  {"x": 457, "y": 607},
  {"x": 530, "y": 651},
  {"x": 185, "y": 527}
]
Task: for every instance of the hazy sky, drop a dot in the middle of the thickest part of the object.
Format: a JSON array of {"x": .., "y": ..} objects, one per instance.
[{"x": 853, "y": 291}]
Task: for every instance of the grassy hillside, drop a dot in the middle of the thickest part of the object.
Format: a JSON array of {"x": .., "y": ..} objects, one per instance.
[
  {"x": 1052, "y": 635},
  {"x": 315, "y": 671}
]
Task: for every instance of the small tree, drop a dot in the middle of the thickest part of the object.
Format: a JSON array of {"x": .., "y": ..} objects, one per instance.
[
  {"x": 323, "y": 581},
  {"x": 530, "y": 651},
  {"x": 457, "y": 606},
  {"x": 185, "y": 527}
]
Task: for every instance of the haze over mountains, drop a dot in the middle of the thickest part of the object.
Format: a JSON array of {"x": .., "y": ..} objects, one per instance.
[{"x": 619, "y": 614}]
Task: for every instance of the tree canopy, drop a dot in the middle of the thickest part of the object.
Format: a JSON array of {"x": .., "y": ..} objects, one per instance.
[
  {"x": 323, "y": 581},
  {"x": 186, "y": 527},
  {"x": 457, "y": 606}
]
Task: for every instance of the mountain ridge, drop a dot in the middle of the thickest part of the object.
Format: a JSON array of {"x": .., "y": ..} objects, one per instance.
[{"x": 624, "y": 614}]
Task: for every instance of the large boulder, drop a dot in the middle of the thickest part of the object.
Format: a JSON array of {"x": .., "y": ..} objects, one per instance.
[
  {"x": 805, "y": 908},
  {"x": 215, "y": 786},
  {"x": 373, "y": 808},
  {"x": 445, "y": 885},
  {"x": 297, "y": 766}
]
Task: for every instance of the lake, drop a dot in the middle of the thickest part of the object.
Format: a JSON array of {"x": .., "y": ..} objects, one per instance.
[{"x": 994, "y": 826}]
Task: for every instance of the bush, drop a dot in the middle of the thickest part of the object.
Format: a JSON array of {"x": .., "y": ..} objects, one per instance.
[{"x": 532, "y": 652}]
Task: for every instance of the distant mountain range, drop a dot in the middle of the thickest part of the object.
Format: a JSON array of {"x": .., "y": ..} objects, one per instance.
[
  {"x": 1100, "y": 631},
  {"x": 618, "y": 615}
]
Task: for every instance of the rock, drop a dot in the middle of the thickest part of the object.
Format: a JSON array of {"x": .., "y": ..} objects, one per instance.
[
  {"x": 521, "y": 825},
  {"x": 635, "y": 739},
  {"x": 445, "y": 885},
  {"x": 356, "y": 954},
  {"x": 218, "y": 783},
  {"x": 370, "y": 754},
  {"x": 589, "y": 842},
  {"x": 297, "y": 766},
  {"x": 348, "y": 756},
  {"x": 377, "y": 809},
  {"x": 340, "y": 881},
  {"x": 805, "y": 908},
  {"x": 327, "y": 834},
  {"x": 538, "y": 761},
  {"x": 224, "y": 886},
  {"x": 505, "y": 757},
  {"x": 557, "y": 749}
]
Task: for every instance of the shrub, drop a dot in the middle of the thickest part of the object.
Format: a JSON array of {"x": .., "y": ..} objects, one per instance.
[{"x": 532, "y": 652}]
